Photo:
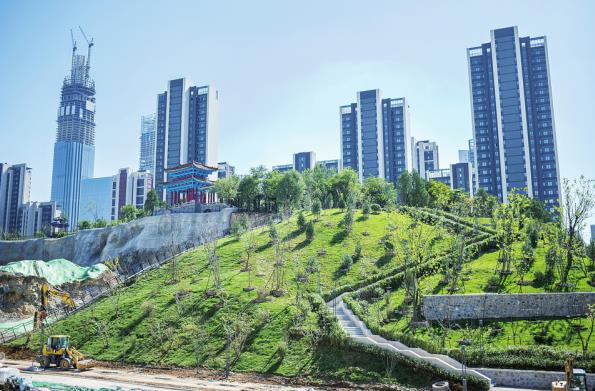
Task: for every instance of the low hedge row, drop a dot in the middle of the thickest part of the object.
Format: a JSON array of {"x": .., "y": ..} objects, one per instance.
[
  {"x": 474, "y": 382},
  {"x": 432, "y": 266}
]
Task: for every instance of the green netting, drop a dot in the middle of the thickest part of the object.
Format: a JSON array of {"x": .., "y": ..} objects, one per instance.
[
  {"x": 63, "y": 387},
  {"x": 56, "y": 271},
  {"x": 28, "y": 322}
]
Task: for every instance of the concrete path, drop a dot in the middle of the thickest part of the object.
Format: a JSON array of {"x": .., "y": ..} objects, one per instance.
[
  {"x": 128, "y": 379},
  {"x": 358, "y": 331}
]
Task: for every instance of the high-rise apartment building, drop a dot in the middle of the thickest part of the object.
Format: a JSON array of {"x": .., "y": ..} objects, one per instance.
[
  {"x": 375, "y": 137},
  {"x": 129, "y": 188},
  {"x": 513, "y": 121},
  {"x": 74, "y": 150},
  {"x": 463, "y": 155},
  {"x": 304, "y": 161},
  {"x": 425, "y": 157},
  {"x": 15, "y": 190},
  {"x": 283, "y": 167},
  {"x": 37, "y": 217},
  {"x": 441, "y": 175},
  {"x": 333, "y": 165},
  {"x": 461, "y": 177},
  {"x": 225, "y": 170},
  {"x": 186, "y": 127},
  {"x": 147, "y": 143}
]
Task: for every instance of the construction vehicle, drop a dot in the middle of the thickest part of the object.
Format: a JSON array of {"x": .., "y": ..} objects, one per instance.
[
  {"x": 57, "y": 351},
  {"x": 46, "y": 291},
  {"x": 576, "y": 379}
]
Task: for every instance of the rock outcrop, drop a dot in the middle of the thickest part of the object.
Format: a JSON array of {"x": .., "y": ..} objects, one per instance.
[{"x": 152, "y": 236}]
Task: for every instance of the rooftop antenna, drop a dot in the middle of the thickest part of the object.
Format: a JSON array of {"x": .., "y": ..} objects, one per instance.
[{"x": 90, "y": 43}]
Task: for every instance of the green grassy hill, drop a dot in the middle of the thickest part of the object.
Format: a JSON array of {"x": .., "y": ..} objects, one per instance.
[
  {"x": 156, "y": 320},
  {"x": 161, "y": 320}
]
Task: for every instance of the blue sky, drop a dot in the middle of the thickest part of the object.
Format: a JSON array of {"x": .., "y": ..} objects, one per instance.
[{"x": 282, "y": 68}]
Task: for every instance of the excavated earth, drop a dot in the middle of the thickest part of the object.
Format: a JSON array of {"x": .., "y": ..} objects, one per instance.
[{"x": 20, "y": 295}]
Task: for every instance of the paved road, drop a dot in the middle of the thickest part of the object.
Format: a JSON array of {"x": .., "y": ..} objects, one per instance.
[{"x": 134, "y": 379}]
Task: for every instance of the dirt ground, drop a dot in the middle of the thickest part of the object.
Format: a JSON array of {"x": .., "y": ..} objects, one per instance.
[{"x": 128, "y": 372}]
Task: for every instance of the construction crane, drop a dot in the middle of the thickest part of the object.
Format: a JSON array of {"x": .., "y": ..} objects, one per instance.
[
  {"x": 90, "y": 45},
  {"x": 46, "y": 291}
]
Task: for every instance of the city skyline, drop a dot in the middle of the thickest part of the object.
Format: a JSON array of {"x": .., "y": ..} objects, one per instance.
[{"x": 272, "y": 150}]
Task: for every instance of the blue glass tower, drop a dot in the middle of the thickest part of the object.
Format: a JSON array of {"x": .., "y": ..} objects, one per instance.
[
  {"x": 74, "y": 150},
  {"x": 375, "y": 137},
  {"x": 513, "y": 124}
]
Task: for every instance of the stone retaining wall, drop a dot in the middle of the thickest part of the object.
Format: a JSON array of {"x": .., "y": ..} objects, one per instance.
[
  {"x": 536, "y": 380},
  {"x": 503, "y": 306},
  {"x": 134, "y": 241}
]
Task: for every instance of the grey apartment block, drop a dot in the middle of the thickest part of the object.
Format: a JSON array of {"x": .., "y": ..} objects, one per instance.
[{"x": 512, "y": 117}]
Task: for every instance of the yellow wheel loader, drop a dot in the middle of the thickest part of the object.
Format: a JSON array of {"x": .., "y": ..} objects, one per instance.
[{"x": 58, "y": 352}]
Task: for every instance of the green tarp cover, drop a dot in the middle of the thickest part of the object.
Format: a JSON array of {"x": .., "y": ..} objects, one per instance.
[{"x": 56, "y": 271}]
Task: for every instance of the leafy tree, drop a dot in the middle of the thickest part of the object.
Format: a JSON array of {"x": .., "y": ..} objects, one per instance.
[
  {"x": 85, "y": 224},
  {"x": 366, "y": 207},
  {"x": 440, "y": 195},
  {"x": 347, "y": 221},
  {"x": 309, "y": 231},
  {"x": 100, "y": 223},
  {"x": 484, "y": 204},
  {"x": 151, "y": 202},
  {"x": 290, "y": 189},
  {"x": 379, "y": 191},
  {"x": 270, "y": 186},
  {"x": 248, "y": 192},
  {"x": 273, "y": 233},
  {"x": 411, "y": 190},
  {"x": 343, "y": 185},
  {"x": 227, "y": 188},
  {"x": 524, "y": 263},
  {"x": 509, "y": 221},
  {"x": 316, "y": 207},
  {"x": 536, "y": 210},
  {"x": 301, "y": 221},
  {"x": 129, "y": 213}
]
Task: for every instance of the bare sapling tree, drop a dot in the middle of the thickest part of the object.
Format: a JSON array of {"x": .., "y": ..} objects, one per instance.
[
  {"x": 278, "y": 276},
  {"x": 237, "y": 329},
  {"x": 168, "y": 231},
  {"x": 250, "y": 245},
  {"x": 209, "y": 240},
  {"x": 415, "y": 250},
  {"x": 577, "y": 204}
]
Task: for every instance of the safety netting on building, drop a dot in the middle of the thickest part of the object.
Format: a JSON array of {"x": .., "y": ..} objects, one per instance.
[{"x": 56, "y": 271}]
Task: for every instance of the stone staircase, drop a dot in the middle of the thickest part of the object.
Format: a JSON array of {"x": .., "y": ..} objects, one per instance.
[{"x": 358, "y": 331}]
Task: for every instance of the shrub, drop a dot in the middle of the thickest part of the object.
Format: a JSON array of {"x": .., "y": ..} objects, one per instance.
[
  {"x": 301, "y": 221},
  {"x": 309, "y": 231},
  {"x": 366, "y": 207},
  {"x": 493, "y": 283},
  {"x": 539, "y": 279},
  {"x": 375, "y": 208},
  {"x": 347, "y": 262},
  {"x": 357, "y": 253},
  {"x": 282, "y": 349},
  {"x": 147, "y": 307}
]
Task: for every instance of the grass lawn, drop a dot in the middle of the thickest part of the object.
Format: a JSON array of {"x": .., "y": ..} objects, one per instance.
[
  {"x": 492, "y": 334},
  {"x": 157, "y": 320}
]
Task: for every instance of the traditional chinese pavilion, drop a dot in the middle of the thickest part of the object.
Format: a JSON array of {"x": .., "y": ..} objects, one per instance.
[{"x": 189, "y": 183}]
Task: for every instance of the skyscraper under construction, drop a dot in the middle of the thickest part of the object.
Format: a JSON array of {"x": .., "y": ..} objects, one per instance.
[{"x": 74, "y": 150}]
